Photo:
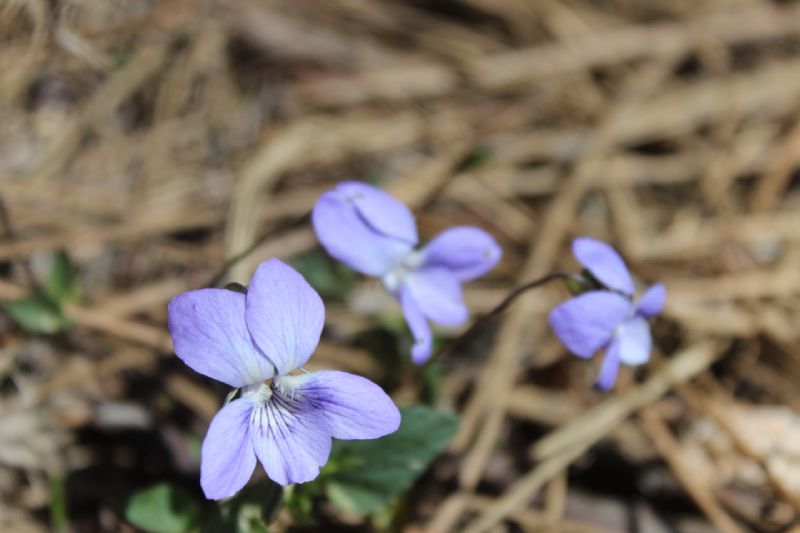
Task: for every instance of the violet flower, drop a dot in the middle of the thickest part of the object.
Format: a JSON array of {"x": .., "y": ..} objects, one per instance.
[
  {"x": 607, "y": 319},
  {"x": 286, "y": 423},
  {"x": 373, "y": 233}
]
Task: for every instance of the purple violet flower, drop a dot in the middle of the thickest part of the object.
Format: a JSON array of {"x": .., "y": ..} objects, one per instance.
[
  {"x": 373, "y": 233},
  {"x": 286, "y": 423},
  {"x": 607, "y": 319}
]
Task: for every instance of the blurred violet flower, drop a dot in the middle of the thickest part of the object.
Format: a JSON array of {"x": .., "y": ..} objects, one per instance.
[
  {"x": 373, "y": 233},
  {"x": 607, "y": 319},
  {"x": 286, "y": 423}
]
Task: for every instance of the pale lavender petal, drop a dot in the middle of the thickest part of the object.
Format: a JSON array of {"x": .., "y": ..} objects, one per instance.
[
  {"x": 604, "y": 263},
  {"x": 284, "y": 314},
  {"x": 652, "y": 301},
  {"x": 355, "y": 407},
  {"x": 586, "y": 323},
  {"x": 438, "y": 295},
  {"x": 290, "y": 437},
  {"x": 418, "y": 324},
  {"x": 210, "y": 335},
  {"x": 609, "y": 368},
  {"x": 227, "y": 458},
  {"x": 465, "y": 251},
  {"x": 635, "y": 341},
  {"x": 380, "y": 211},
  {"x": 349, "y": 238}
]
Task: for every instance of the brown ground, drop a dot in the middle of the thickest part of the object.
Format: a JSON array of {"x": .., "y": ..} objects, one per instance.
[{"x": 156, "y": 140}]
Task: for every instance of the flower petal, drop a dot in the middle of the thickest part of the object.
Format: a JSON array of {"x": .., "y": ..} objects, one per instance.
[
  {"x": 635, "y": 341},
  {"x": 604, "y": 263},
  {"x": 290, "y": 437},
  {"x": 381, "y": 211},
  {"x": 418, "y": 324},
  {"x": 586, "y": 323},
  {"x": 355, "y": 407},
  {"x": 348, "y": 237},
  {"x": 609, "y": 369},
  {"x": 227, "y": 458},
  {"x": 284, "y": 314},
  {"x": 652, "y": 301},
  {"x": 465, "y": 251},
  {"x": 438, "y": 295},
  {"x": 209, "y": 333}
]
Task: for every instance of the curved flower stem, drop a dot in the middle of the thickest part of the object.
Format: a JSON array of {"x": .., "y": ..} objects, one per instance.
[{"x": 498, "y": 309}]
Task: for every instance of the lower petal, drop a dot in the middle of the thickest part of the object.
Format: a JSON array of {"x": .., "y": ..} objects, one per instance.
[
  {"x": 609, "y": 369},
  {"x": 635, "y": 341},
  {"x": 354, "y": 407},
  {"x": 290, "y": 437},
  {"x": 227, "y": 458},
  {"x": 418, "y": 324},
  {"x": 438, "y": 294}
]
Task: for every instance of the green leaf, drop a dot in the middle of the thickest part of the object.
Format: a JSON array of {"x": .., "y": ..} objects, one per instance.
[
  {"x": 250, "y": 511},
  {"x": 162, "y": 509},
  {"x": 331, "y": 279},
  {"x": 364, "y": 477},
  {"x": 59, "y": 521},
  {"x": 37, "y": 314},
  {"x": 61, "y": 285},
  {"x": 430, "y": 387}
]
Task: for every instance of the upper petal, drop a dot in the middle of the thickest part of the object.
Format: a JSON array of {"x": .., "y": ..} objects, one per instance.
[
  {"x": 284, "y": 314},
  {"x": 586, "y": 323},
  {"x": 418, "y": 324},
  {"x": 466, "y": 251},
  {"x": 209, "y": 333},
  {"x": 381, "y": 211},
  {"x": 290, "y": 436},
  {"x": 227, "y": 458},
  {"x": 652, "y": 301},
  {"x": 355, "y": 407},
  {"x": 438, "y": 294},
  {"x": 347, "y": 236},
  {"x": 604, "y": 263},
  {"x": 634, "y": 341}
]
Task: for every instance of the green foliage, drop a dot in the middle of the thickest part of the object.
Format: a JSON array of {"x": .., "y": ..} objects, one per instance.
[
  {"x": 59, "y": 522},
  {"x": 364, "y": 477},
  {"x": 36, "y": 313},
  {"x": 61, "y": 284},
  {"x": 479, "y": 156},
  {"x": 331, "y": 279},
  {"x": 42, "y": 311},
  {"x": 249, "y": 511},
  {"x": 299, "y": 500},
  {"x": 431, "y": 382},
  {"x": 584, "y": 283},
  {"x": 162, "y": 509}
]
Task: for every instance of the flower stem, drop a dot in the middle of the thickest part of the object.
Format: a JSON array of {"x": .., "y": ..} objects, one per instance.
[{"x": 459, "y": 341}]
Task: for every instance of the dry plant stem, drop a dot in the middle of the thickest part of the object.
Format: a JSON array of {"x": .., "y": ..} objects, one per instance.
[
  {"x": 569, "y": 442},
  {"x": 532, "y": 520},
  {"x": 217, "y": 278},
  {"x": 711, "y": 406},
  {"x": 499, "y": 308},
  {"x": 617, "y": 408},
  {"x": 669, "y": 449}
]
